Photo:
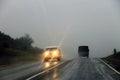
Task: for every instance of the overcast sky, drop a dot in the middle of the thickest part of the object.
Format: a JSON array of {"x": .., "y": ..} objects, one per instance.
[{"x": 95, "y": 23}]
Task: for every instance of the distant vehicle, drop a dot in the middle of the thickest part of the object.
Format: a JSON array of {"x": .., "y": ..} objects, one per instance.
[
  {"x": 52, "y": 52},
  {"x": 83, "y": 51}
]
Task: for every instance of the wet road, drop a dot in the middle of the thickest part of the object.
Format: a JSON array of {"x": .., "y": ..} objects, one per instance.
[
  {"x": 23, "y": 71},
  {"x": 80, "y": 69},
  {"x": 77, "y": 69}
]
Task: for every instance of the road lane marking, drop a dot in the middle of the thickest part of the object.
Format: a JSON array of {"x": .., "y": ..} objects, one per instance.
[
  {"x": 44, "y": 71},
  {"x": 110, "y": 66}
]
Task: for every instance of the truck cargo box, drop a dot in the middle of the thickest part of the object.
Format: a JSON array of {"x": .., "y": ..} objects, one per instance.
[{"x": 83, "y": 51}]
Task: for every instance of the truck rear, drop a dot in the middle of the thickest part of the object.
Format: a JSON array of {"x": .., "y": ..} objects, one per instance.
[{"x": 83, "y": 51}]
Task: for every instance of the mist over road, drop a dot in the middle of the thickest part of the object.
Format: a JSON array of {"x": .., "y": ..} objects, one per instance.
[{"x": 93, "y": 22}]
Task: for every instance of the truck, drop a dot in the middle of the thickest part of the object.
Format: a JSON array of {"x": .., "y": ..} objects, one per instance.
[{"x": 83, "y": 51}]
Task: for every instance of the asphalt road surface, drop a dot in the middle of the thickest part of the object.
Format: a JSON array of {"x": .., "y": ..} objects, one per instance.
[
  {"x": 77, "y": 69},
  {"x": 80, "y": 69}
]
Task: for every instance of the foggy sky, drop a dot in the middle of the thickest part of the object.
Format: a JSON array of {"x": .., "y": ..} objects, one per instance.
[{"x": 95, "y": 23}]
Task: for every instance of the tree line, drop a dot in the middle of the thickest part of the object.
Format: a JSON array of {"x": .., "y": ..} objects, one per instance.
[{"x": 23, "y": 43}]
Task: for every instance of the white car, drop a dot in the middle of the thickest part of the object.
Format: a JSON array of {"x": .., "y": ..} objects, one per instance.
[{"x": 52, "y": 53}]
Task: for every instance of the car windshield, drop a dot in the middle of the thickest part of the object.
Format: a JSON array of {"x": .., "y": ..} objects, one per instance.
[{"x": 59, "y": 39}]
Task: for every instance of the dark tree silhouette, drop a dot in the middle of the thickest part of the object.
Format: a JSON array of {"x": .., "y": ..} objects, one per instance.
[
  {"x": 24, "y": 42},
  {"x": 5, "y": 42}
]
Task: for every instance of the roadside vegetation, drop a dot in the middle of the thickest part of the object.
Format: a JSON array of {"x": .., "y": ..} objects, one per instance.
[
  {"x": 114, "y": 60},
  {"x": 17, "y": 50}
]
